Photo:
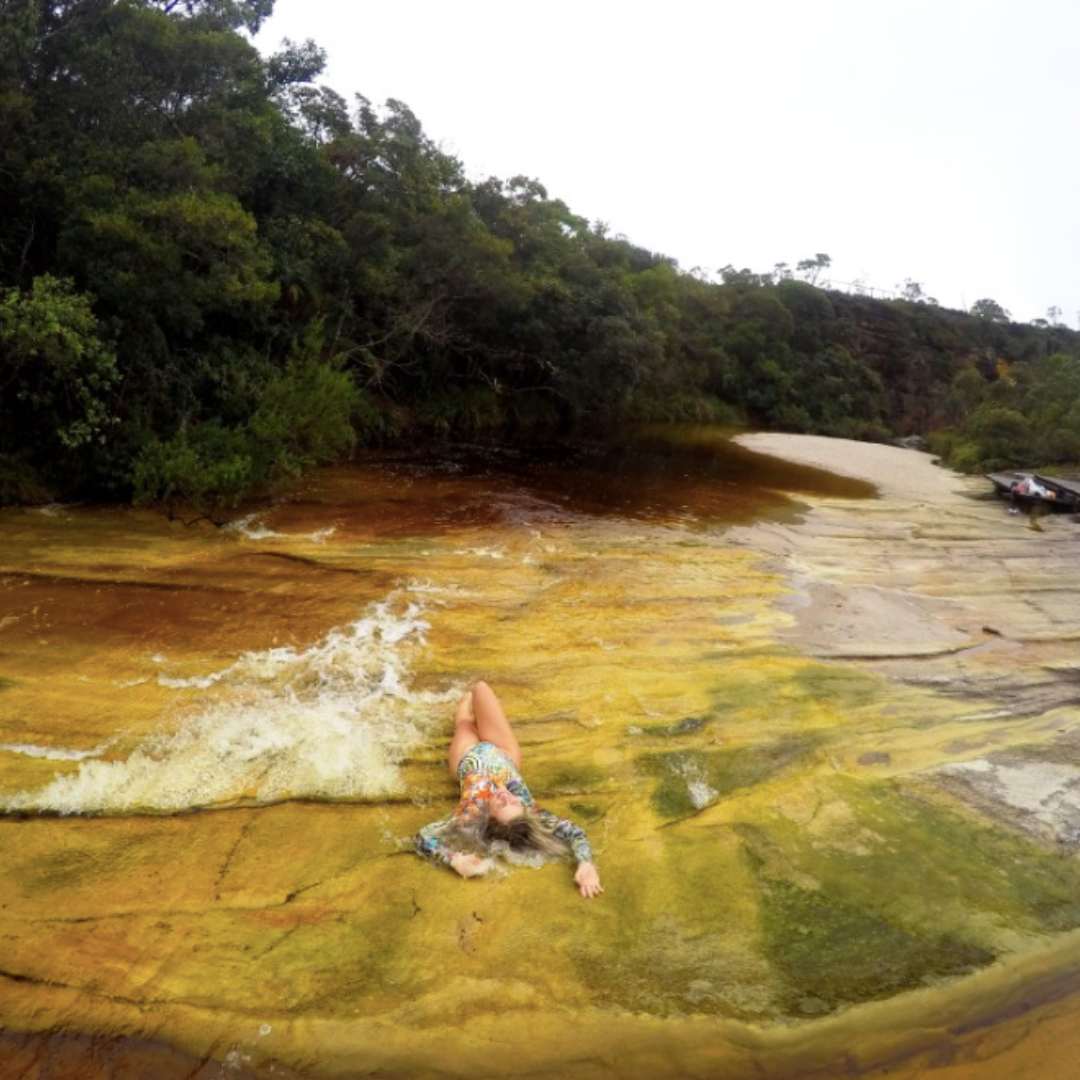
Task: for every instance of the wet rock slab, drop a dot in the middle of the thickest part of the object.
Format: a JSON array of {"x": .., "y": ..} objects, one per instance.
[
  {"x": 793, "y": 886},
  {"x": 1036, "y": 789}
]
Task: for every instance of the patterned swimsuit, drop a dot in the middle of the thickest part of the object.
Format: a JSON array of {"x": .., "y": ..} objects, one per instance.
[{"x": 481, "y": 771}]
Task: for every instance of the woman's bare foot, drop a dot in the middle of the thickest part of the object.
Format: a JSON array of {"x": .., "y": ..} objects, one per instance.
[{"x": 464, "y": 711}]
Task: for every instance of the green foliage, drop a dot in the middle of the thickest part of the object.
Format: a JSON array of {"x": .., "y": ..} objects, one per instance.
[
  {"x": 1029, "y": 416},
  {"x": 989, "y": 309},
  {"x": 462, "y": 411},
  {"x": 55, "y": 367},
  {"x": 304, "y": 417},
  {"x": 969, "y": 391},
  {"x": 1002, "y": 434},
  {"x": 57, "y": 379},
  {"x": 211, "y": 212},
  {"x": 210, "y": 468},
  {"x": 20, "y": 482}
]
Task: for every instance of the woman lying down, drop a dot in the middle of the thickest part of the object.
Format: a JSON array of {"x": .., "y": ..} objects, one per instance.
[{"x": 497, "y": 814}]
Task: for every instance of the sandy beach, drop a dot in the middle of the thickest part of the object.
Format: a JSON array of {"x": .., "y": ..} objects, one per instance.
[{"x": 897, "y": 473}]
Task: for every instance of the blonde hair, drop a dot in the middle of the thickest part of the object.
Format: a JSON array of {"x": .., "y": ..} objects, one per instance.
[{"x": 525, "y": 835}]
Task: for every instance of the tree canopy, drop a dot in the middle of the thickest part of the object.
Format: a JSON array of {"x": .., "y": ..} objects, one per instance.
[{"x": 215, "y": 272}]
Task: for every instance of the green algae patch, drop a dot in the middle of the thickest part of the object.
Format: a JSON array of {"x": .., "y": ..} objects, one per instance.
[
  {"x": 678, "y": 932},
  {"x": 767, "y": 682},
  {"x": 962, "y": 863},
  {"x": 690, "y": 780},
  {"x": 333, "y": 961},
  {"x": 587, "y": 811},
  {"x": 689, "y": 725},
  {"x": 833, "y": 953},
  {"x": 897, "y": 849},
  {"x": 567, "y": 779},
  {"x": 838, "y": 686},
  {"x": 67, "y": 868}
]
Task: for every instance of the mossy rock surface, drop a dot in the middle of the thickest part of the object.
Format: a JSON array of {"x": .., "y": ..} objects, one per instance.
[
  {"x": 690, "y": 780},
  {"x": 758, "y": 877},
  {"x": 832, "y": 953}
]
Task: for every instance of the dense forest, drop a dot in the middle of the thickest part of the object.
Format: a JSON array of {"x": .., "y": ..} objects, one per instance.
[{"x": 215, "y": 272}]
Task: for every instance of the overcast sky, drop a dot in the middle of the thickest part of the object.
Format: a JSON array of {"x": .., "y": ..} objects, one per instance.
[{"x": 930, "y": 139}]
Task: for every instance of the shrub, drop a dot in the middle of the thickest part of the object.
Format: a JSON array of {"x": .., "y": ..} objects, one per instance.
[
  {"x": 304, "y": 417},
  {"x": 209, "y": 467},
  {"x": 1002, "y": 434},
  {"x": 57, "y": 373}
]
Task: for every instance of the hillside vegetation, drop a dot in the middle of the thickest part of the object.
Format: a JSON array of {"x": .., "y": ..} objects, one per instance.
[{"x": 215, "y": 273}]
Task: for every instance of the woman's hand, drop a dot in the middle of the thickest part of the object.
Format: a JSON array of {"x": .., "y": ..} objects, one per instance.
[
  {"x": 588, "y": 880},
  {"x": 470, "y": 865}
]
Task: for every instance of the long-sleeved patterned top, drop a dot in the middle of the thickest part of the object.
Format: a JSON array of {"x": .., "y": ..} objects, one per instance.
[{"x": 480, "y": 773}]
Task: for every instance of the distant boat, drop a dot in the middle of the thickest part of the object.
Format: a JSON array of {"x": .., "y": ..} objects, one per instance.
[{"x": 1031, "y": 488}]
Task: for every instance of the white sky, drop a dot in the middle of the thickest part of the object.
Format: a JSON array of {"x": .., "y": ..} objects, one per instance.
[{"x": 932, "y": 139}]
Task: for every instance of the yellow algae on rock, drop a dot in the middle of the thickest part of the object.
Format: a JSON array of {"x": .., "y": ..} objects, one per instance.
[{"x": 213, "y": 769}]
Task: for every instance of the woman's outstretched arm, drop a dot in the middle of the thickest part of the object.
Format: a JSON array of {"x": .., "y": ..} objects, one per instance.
[
  {"x": 572, "y": 835},
  {"x": 430, "y": 845},
  {"x": 586, "y": 876}
]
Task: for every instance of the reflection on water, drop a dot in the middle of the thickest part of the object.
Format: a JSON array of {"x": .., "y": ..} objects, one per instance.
[{"x": 772, "y": 908}]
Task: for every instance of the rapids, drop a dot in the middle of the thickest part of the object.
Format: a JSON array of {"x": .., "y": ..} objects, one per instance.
[{"x": 215, "y": 745}]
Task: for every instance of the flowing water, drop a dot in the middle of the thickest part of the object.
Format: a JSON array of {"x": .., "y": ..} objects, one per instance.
[{"x": 216, "y": 743}]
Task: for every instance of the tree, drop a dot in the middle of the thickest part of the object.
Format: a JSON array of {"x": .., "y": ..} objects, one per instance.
[
  {"x": 57, "y": 375},
  {"x": 745, "y": 278},
  {"x": 912, "y": 292},
  {"x": 968, "y": 393},
  {"x": 1004, "y": 436},
  {"x": 990, "y": 310},
  {"x": 811, "y": 269},
  {"x": 226, "y": 14}
]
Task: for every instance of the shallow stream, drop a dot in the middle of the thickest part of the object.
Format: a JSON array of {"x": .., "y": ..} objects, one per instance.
[{"x": 215, "y": 744}]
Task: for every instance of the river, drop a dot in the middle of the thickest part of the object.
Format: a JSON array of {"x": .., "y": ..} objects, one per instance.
[{"x": 215, "y": 744}]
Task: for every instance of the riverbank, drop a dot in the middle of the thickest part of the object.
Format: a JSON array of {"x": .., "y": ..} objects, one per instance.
[
  {"x": 936, "y": 586},
  {"x": 934, "y": 576}
]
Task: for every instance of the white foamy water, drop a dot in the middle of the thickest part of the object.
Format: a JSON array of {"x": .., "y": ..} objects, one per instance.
[
  {"x": 330, "y": 721},
  {"x": 701, "y": 792},
  {"x": 481, "y": 552},
  {"x": 52, "y": 753},
  {"x": 251, "y": 527}
]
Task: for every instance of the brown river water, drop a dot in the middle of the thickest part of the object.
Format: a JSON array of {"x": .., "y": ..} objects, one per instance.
[{"x": 215, "y": 744}]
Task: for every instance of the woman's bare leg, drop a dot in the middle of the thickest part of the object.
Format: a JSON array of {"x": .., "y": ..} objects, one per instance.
[
  {"x": 465, "y": 734},
  {"x": 492, "y": 724}
]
